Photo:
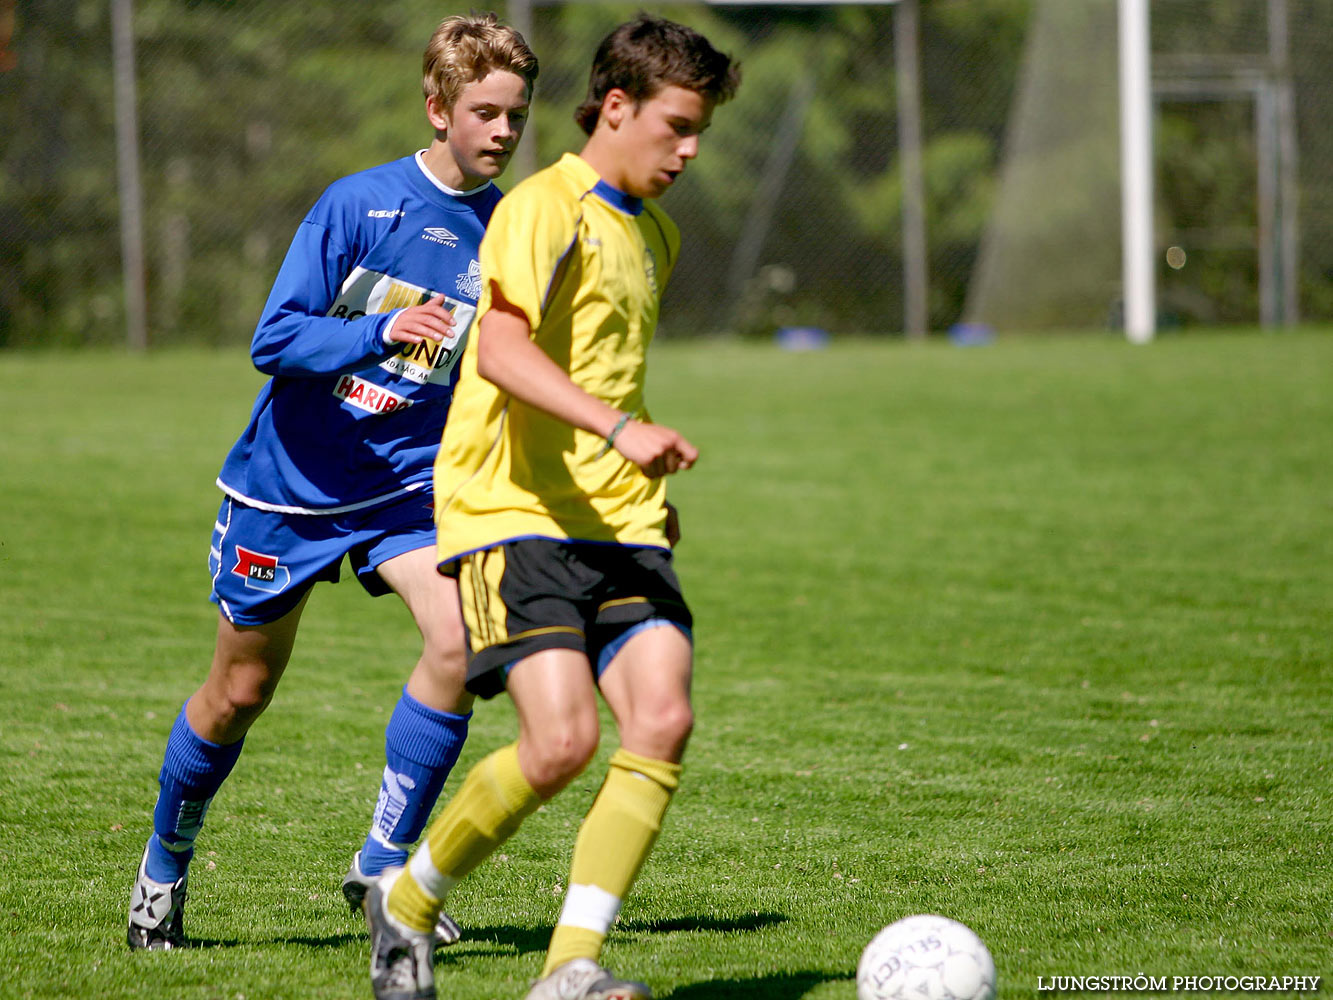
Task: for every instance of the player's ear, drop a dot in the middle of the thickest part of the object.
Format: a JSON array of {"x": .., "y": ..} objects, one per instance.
[
  {"x": 616, "y": 106},
  {"x": 437, "y": 114}
]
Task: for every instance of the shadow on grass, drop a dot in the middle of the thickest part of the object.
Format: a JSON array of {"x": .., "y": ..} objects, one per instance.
[
  {"x": 782, "y": 986},
  {"x": 507, "y": 939},
  {"x": 524, "y": 940},
  {"x": 328, "y": 941},
  {"x": 722, "y": 925}
]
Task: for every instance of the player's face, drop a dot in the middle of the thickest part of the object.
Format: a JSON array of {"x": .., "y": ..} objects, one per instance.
[
  {"x": 660, "y": 135},
  {"x": 484, "y": 126}
]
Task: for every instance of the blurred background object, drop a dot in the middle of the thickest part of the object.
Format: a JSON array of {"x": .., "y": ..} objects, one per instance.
[{"x": 830, "y": 195}]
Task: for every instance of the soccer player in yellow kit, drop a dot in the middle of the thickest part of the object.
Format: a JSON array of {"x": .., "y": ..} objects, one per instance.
[{"x": 552, "y": 513}]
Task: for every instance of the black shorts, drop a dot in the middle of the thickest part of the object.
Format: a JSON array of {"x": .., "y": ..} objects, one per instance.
[{"x": 525, "y": 596}]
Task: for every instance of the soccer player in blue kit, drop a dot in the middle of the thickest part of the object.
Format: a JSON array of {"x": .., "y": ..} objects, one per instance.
[{"x": 361, "y": 334}]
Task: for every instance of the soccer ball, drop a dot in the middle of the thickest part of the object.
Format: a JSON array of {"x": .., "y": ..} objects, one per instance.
[{"x": 926, "y": 958}]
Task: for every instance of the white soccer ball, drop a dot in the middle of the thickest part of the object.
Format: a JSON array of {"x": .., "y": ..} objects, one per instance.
[{"x": 926, "y": 957}]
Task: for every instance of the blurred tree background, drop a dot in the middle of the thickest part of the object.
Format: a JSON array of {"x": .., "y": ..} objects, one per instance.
[{"x": 248, "y": 109}]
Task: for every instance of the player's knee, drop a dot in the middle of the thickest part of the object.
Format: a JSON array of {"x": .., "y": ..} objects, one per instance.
[
  {"x": 680, "y": 724},
  {"x": 225, "y": 711},
  {"x": 247, "y": 696},
  {"x": 443, "y": 652},
  {"x": 245, "y": 686},
  {"x": 561, "y": 753},
  {"x": 569, "y": 754},
  {"x": 665, "y": 729}
]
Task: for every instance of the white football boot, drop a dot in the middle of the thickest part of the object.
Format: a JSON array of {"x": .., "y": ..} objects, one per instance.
[
  {"x": 356, "y": 883},
  {"x": 400, "y": 958},
  {"x": 157, "y": 911},
  {"x": 584, "y": 979}
]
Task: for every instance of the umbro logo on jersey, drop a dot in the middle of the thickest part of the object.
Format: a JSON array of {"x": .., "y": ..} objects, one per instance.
[{"x": 440, "y": 235}]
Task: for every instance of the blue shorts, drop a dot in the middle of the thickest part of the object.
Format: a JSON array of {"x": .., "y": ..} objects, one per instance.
[{"x": 263, "y": 563}]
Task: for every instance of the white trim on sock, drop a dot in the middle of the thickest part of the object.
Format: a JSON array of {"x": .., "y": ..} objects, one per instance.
[
  {"x": 430, "y": 878},
  {"x": 385, "y": 842},
  {"x": 589, "y": 907}
]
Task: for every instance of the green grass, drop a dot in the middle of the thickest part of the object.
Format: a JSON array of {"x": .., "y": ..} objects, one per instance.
[{"x": 1036, "y": 635}]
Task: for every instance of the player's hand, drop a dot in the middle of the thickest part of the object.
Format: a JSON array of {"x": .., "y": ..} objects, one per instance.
[
  {"x": 428, "y": 321},
  {"x": 657, "y": 450},
  {"x": 672, "y": 524}
]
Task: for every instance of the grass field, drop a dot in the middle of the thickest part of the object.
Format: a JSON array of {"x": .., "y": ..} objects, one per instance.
[{"x": 1037, "y": 635}]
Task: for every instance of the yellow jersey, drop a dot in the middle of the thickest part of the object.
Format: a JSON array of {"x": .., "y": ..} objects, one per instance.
[{"x": 586, "y": 263}]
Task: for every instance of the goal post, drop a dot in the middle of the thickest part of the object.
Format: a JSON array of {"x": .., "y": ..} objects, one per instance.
[{"x": 1136, "y": 167}]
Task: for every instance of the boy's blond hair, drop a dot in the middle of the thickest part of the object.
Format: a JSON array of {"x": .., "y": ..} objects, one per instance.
[{"x": 465, "y": 48}]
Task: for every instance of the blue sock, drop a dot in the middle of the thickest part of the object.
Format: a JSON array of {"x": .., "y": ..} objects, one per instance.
[
  {"x": 421, "y": 746},
  {"x": 193, "y": 769}
]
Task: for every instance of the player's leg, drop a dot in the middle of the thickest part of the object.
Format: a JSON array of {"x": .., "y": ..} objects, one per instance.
[
  {"x": 428, "y": 727},
  {"x": 646, "y": 683},
  {"x": 429, "y": 724},
  {"x": 262, "y": 568},
  {"x": 248, "y": 662},
  {"x": 557, "y": 710},
  {"x": 554, "y": 697},
  {"x": 202, "y": 749},
  {"x": 525, "y": 609},
  {"x": 404, "y": 904}
]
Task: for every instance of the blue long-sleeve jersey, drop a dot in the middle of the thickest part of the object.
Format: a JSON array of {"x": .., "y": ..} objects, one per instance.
[{"x": 347, "y": 420}]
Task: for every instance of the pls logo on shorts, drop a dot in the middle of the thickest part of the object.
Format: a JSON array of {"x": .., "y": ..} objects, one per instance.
[{"x": 261, "y": 572}]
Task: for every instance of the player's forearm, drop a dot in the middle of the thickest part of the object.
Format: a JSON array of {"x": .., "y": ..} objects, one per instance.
[
  {"x": 302, "y": 346},
  {"x": 295, "y": 337},
  {"x": 508, "y": 358}
]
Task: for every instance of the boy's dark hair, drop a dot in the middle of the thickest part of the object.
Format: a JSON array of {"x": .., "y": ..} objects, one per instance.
[{"x": 644, "y": 55}]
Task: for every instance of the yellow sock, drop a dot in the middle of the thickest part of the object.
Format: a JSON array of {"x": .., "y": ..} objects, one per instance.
[
  {"x": 493, "y": 800},
  {"x": 612, "y": 844}
]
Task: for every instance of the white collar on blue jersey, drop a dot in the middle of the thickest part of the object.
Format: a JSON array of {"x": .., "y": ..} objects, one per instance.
[{"x": 421, "y": 162}]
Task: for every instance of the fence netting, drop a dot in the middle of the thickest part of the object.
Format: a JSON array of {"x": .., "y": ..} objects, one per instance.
[{"x": 791, "y": 215}]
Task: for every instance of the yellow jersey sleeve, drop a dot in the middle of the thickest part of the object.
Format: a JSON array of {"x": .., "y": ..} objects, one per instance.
[{"x": 529, "y": 238}]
